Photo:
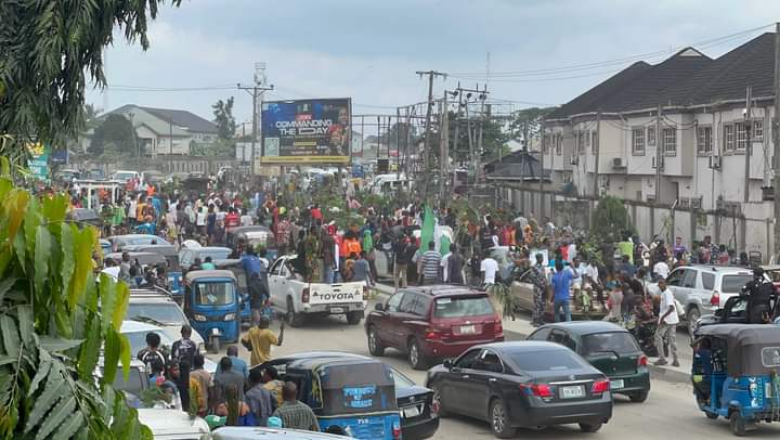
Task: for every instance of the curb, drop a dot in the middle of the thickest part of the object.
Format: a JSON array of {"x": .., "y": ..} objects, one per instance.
[{"x": 656, "y": 372}]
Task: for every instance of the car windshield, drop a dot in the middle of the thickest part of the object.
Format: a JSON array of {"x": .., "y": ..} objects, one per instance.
[
  {"x": 133, "y": 385},
  {"x": 455, "y": 307},
  {"x": 164, "y": 313},
  {"x": 124, "y": 176},
  {"x": 147, "y": 240},
  {"x": 214, "y": 294},
  {"x": 612, "y": 342},
  {"x": 138, "y": 341},
  {"x": 215, "y": 254},
  {"x": 548, "y": 360},
  {"x": 734, "y": 283}
]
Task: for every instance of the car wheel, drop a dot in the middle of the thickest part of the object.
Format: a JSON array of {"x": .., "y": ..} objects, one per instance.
[
  {"x": 639, "y": 396},
  {"x": 294, "y": 319},
  {"x": 436, "y": 388},
  {"x": 737, "y": 424},
  {"x": 499, "y": 420},
  {"x": 587, "y": 427},
  {"x": 354, "y": 318},
  {"x": 214, "y": 344},
  {"x": 374, "y": 346},
  {"x": 416, "y": 358},
  {"x": 692, "y": 317}
]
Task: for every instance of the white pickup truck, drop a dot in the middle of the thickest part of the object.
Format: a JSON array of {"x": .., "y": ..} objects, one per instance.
[{"x": 298, "y": 299}]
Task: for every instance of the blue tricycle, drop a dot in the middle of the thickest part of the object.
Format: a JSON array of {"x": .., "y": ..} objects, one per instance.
[{"x": 212, "y": 304}]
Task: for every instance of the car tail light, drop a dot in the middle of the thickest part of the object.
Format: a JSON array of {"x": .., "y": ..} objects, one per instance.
[
  {"x": 600, "y": 386},
  {"x": 432, "y": 333},
  {"x": 396, "y": 430},
  {"x": 538, "y": 390},
  {"x": 642, "y": 361},
  {"x": 499, "y": 327},
  {"x": 435, "y": 406},
  {"x": 715, "y": 299},
  {"x": 365, "y": 293},
  {"x": 305, "y": 295}
]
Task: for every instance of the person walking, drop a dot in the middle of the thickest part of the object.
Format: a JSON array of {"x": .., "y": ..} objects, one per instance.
[
  {"x": 261, "y": 402},
  {"x": 361, "y": 270},
  {"x": 239, "y": 364},
  {"x": 561, "y": 282},
  {"x": 294, "y": 413},
  {"x": 259, "y": 340},
  {"x": 228, "y": 379},
  {"x": 488, "y": 269},
  {"x": 183, "y": 353},
  {"x": 667, "y": 325},
  {"x": 204, "y": 379},
  {"x": 539, "y": 281},
  {"x": 454, "y": 267},
  {"x": 431, "y": 260},
  {"x": 402, "y": 260}
]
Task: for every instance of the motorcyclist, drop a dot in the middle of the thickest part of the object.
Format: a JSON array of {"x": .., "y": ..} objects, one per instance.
[{"x": 760, "y": 293}]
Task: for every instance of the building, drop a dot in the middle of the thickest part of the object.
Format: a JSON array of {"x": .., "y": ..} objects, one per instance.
[
  {"x": 675, "y": 141},
  {"x": 166, "y": 131}
]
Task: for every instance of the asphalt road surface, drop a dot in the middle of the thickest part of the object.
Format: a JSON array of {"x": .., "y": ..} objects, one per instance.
[{"x": 669, "y": 413}]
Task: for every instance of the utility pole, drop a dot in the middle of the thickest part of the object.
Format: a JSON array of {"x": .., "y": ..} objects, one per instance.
[
  {"x": 596, "y": 145},
  {"x": 776, "y": 141},
  {"x": 659, "y": 136},
  {"x": 541, "y": 172},
  {"x": 257, "y": 92},
  {"x": 748, "y": 143},
  {"x": 170, "y": 131},
  {"x": 428, "y": 147},
  {"x": 444, "y": 157}
]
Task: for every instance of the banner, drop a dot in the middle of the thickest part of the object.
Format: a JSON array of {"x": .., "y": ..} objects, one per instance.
[
  {"x": 312, "y": 131},
  {"x": 39, "y": 160}
]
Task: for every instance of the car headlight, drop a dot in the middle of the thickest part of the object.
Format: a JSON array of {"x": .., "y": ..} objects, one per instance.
[
  {"x": 199, "y": 318},
  {"x": 180, "y": 279},
  {"x": 230, "y": 317}
]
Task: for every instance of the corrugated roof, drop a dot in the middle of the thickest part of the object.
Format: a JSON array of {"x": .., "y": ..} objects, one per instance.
[{"x": 180, "y": 118}]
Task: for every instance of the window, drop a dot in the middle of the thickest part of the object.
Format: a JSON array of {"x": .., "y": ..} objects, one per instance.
[
  {"x": 489, "y": 361},
  {"x": 704, "y": 140},
  {"x": 770, "y": 357},
  {"x": 393, "y": 302},
  {"x": 758, "y": 130},
  {"x": 594, "y": 143},
  {"x": 540, "y": 335},
  {"x": 407, "y": 304},
  {"x": 675, "y": 278},
  {"x": 734, "y": 283},
  {"x": 611, "y": 342},
  {"x": 561, "y": 337},
  {"x": 214, "y": 294},
  {"x": 468, "y": 359},
  {"x": 421, "y": 306},
  {"x": 670, "y": 141},
  {"x": 558, "y": 145},
  {"x": 638, "y": 141},
  {"x": 546, "y": 146},
  {"x": 459, "y": 307},
  {"x": 728, "y": 138},
  {"x": 547, "y": 360},
  {"x": 651, "y": 136},
  {"x": 741, "y": 137},
  {"x": 708, "y": 280},
  {"x": 165, "y": 313},
  {"x": 690, "y": 279},
  {"x": 580, "y": 143},
  {"x": 587, "y": 139}
]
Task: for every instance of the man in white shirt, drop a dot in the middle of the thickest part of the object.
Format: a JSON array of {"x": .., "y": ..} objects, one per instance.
[
  {"x": 661, "y": 269},
  {"x": 488, "y": 267},
  {"x": 667, "y": 325},
  {"x": 444, "y": 267}
]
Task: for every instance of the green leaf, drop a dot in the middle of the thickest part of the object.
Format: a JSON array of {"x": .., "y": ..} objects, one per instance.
[
  {"x": 69, "y": 428},
  {"x": 108, "y": 299},
  {"x": 113, "y": 348},
  {"x": 19, "y": 247},
  {"x": 55, "y": 388},
  {"x": 55, "y": 344},
  {"x": 5, "y": 360},
  {"x": 54, "y": 208},
  {"x": 125, "y": 355},
  {"x": 42, "y": 255},
  {"x": 108, "y": 398},
  {"x": 122, "y": 303},
  {"x": 90, "y": 350},
  {"x": 32, "y": 219},
  {"x": 10, "y": 335},
  {"x": 43, "y": 372},
  {"x": 26, "y": 326},
  {"x": 83, "y": 256},
  {"x": 67, "y": 232},
  {"x": 17, "y": 205},
  {"x": 58, "y": 414},
  {"x": 5, "y": 286}
]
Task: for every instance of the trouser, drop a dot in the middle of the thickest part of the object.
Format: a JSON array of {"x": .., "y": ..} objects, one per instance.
[
  {"x": 561, "y": 310},
  {"x": 390, "y": 259},
  {"x": 328, "y": 274},
  {"x": 539, "y": 303},
  {"x": 399, "y": 276},
  {"x": 668, "y": 331}
]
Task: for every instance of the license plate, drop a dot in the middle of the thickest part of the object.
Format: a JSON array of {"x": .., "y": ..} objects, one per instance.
[
  {"x": 616, "y": 384},
  {"x": 572, "y": 392},
  {"x": 411, "y": 411},
  {"x": 468, "y": 329},
  {"x": 336, "y": 310}
]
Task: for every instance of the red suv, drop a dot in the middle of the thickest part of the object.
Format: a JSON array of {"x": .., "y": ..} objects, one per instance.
[{"x": 433, "y": 322}]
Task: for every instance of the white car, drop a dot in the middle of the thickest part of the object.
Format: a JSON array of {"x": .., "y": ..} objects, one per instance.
[
  {"x": 136, "y": 334},
  {"x": 125, "y": 175},
  {"x": 163, "y": 312},
  {"x": 168, "y": 424}
]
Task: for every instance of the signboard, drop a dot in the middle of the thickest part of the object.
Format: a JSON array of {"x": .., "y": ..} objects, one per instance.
[
  {"x": 60, "y": 157},
  {"x": 244, "y": 151},
  {"x": 311, "y": 131},
  {"x": 39, "y": 160}
]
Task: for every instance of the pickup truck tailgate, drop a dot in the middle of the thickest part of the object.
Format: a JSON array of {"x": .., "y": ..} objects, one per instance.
[{"x": 335, "y": 293}]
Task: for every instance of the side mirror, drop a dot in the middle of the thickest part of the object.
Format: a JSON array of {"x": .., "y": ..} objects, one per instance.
[
  {"x": 379, "y": 307},
  {"x": 447, "y": 364}
]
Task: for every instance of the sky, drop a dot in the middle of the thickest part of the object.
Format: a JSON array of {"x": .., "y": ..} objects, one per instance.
[{"x": 369, "y": 50}]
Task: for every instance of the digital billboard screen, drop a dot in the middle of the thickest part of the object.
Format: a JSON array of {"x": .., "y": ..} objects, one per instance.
[{"x": 311, "y": 131}]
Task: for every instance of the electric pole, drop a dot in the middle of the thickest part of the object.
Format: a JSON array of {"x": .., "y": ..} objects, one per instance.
[
  {"x": 444, "y": 156},
  {"x": 748, "y": 143},
  {"x": 659, "y": 136},
  {"x": 257, "y": 91},
  {"x": 776, "y": 141},
  {"x": 428, "y": 147}
]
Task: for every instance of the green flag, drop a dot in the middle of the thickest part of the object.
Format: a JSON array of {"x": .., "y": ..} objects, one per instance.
[
  {"x": 426, "y": 234},
  {"x": 444, "y": 244}
]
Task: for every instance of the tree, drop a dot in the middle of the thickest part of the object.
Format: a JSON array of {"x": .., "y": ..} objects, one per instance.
[
  {"x": 527, "y": 123},
  {"x": 114, "y": 134},
  {"x": 223, "y": 117},
  {"x": 48, "y": 54},
  {"x": 54, "y": 320},
  {"x": 610, "y": 220},
  {"x": 494, "y": 139}
]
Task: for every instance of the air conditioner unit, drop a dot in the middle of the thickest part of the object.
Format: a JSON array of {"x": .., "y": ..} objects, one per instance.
[
  {"x": 617, "y": 163},
  {"x": 574, "y": 160},
  {"x": 715, "y": 162}
]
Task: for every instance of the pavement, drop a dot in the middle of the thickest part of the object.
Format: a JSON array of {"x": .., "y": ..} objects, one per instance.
[{"x": 520, "y": 328}]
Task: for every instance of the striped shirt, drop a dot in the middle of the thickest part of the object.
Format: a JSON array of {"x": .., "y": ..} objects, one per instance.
[
  {"x": 297, "y": 415},
  {"x": 430, "y": 265}
]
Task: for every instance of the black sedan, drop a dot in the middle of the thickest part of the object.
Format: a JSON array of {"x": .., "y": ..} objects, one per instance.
[
  {"x": 523, "y": 385},
  {"x": 419, "y": 409}
]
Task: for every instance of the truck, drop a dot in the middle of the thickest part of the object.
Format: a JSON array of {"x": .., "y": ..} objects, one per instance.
[{"x": 299, "y": 300}]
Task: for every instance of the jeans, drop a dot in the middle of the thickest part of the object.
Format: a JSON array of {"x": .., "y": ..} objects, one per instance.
[
  {"x": 668, "y": 331},
  {"x": 328, "y": 274},
  {"x": 565, "y": 311},
  {"x": 399, "y": 278}
]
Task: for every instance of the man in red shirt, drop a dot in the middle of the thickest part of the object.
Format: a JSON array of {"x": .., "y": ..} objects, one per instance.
[
  {"x": 232, "y": 220},
  {"x": 316, "y": 213}
]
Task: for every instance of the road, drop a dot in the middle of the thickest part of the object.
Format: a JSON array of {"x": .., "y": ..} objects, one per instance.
[{"x": 670, "y": 411}]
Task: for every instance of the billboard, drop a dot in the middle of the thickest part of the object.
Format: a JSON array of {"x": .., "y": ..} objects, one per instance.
[
  {"x": 310, "y": 131},
  {"x": 38, "y": 163}
]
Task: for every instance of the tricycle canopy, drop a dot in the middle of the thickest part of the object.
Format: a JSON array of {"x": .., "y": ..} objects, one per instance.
[{"x": 752, "y": 349}]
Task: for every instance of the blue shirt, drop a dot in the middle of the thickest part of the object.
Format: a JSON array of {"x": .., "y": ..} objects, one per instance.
[
  {"x": 251, "y": 265},
  {"x": 239, "y": 366},
  {"x": 561, "y": 282}
]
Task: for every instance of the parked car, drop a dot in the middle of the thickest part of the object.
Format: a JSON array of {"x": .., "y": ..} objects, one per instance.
[
  {"x": 525, "y": 384},
  {"x": 433, "y": 322},
  {"x": 523, "y": 293},
  {"x": 162, "y": 311},
  {"x": 120, "y": 241},
  {"x": 702, "y": 290},
  {"x": 299, "y": 300},
  {"x": 419, "y": 409},
  {"x": 608, "y": 347},
  {"x": 187, "y": 256},
  {"x": 85, "y": 216},
  {"x": 168, "y": 424},
  {"x": 124, "y": 176}
]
